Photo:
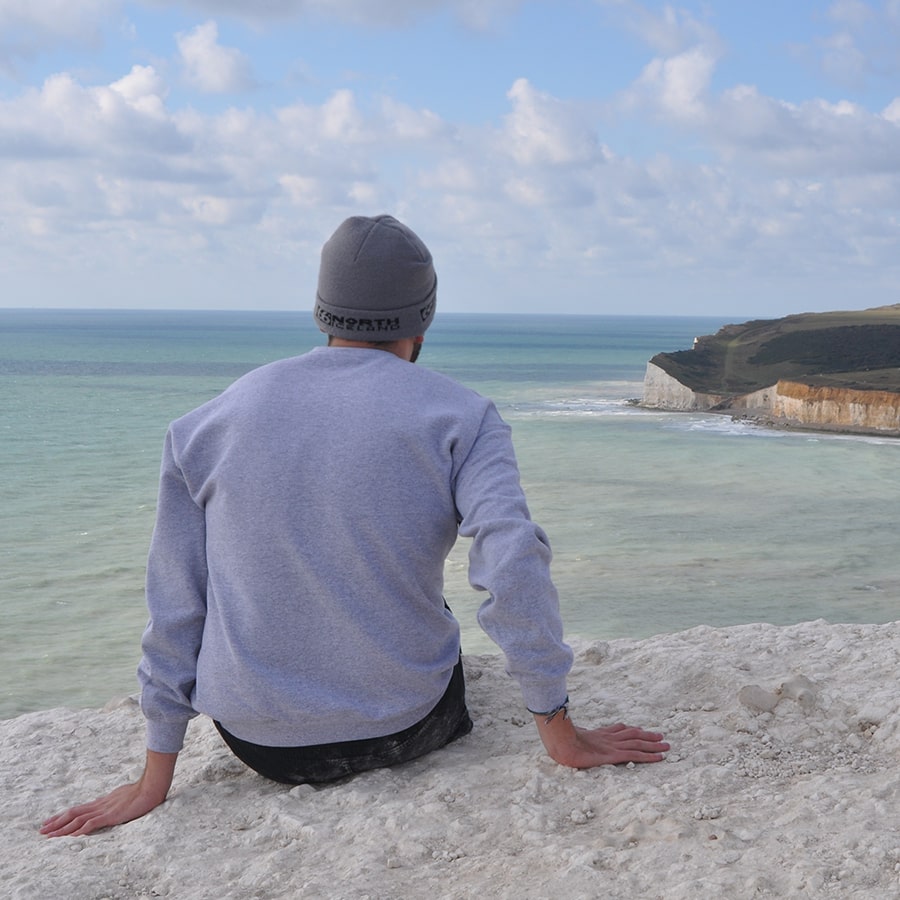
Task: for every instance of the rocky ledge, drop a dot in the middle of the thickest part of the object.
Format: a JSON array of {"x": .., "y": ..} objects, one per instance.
[{"x": 836, "y": 371}]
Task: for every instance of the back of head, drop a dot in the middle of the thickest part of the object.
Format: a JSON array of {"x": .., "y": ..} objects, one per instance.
[{"x": 376, "y": 282}]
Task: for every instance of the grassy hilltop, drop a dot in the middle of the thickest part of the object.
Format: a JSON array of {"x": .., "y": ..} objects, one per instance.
[{"x": 858, "y": 350}]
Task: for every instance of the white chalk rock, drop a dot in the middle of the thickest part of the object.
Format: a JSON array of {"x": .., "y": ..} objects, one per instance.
[
  {"x": 758, "y": 699},
  {"x": 801, "y": 689}
]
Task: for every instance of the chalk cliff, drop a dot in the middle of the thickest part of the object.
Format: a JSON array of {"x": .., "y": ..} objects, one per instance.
[
  {"x": 828, "y": 371},
  {"x": 842, "y": 408}
]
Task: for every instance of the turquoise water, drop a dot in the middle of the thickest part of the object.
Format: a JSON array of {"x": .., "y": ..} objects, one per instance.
[{"x": 658, "y": 521}]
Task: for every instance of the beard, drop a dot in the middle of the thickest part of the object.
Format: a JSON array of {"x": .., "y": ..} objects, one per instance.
[{"x": 416, "y": 350}]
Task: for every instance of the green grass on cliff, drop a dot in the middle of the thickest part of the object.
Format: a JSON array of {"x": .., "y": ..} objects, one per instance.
[{"x": 859, "y": 350}]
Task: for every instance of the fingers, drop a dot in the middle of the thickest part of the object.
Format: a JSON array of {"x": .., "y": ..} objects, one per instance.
[
  {"x": 72, "y": 828},
  {"x": 618, "y": 730},
  {"x": 78, "y": 820},
  {"x": 645, "y": 745},
  {"x": 82, "y": 819},
  {"x": 619, "y": 744},
  {"x": 72, "y": 813},
  {"x": 638, "y": 753},
  {"x": 121, "y": 805}
]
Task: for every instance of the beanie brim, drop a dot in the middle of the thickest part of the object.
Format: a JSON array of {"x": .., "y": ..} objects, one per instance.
[{"x": 385, "y": 325}]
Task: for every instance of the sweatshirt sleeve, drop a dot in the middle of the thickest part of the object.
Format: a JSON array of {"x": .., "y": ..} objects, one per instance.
[
  {"x": 510, "y": 559},
  {"x": 176, "y": 599}
]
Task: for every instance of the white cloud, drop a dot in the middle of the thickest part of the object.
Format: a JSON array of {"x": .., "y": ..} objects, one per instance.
[
  {"x": 862, "y": 50},
  {"x": 892, "y": 111},
  {"x": 302, "y": 190},
  {"x": 843, "y": 60},
  {"x": 853, "y": 13},
  {"x": 337, "y": 119},
  {"x": 79, "y": 157},
  {"x": 526, "y": 192},
  {"x": 669, "y": 30},
  {"x": 341, "y": 120},
  {"x": 676, "y": 88},
  {"x": 747, "y": 120},
  {"x": 542, "y": 129},
  {"x": 120, "y": 177},
  {"x": 210, "y": 67},
  {"x": 62, "y": 119},
  {"x": 28, "y": 28},
  {"x": 408, "y": 124},
  {"x": 810, "y": 139},
  {"x": 482, "y": 15},
  {"x": 143, "y": 89},
  {"x": 58, "y": 17},
  {"x": 211, "y": 209},
  {"x": 365, "y": 195},
  {"x": 452, "y": 176},
  {"x": 478, "y": 14}
]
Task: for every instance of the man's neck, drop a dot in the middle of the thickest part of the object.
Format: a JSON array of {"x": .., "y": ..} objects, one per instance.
[{"x": 402, "y": 348}]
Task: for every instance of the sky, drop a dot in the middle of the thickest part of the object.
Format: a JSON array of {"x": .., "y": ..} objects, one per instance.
[{"x": 710, "y": 157}]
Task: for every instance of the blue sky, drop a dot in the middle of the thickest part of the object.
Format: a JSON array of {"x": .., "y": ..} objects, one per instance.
[{"x": 579, "y": 156}]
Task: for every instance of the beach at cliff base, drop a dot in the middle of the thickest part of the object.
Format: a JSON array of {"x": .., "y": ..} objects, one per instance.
[{"x": 782, "y": 781}]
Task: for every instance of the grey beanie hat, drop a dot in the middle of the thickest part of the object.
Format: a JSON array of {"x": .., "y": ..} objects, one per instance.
[{"x": 376, "y": 282}]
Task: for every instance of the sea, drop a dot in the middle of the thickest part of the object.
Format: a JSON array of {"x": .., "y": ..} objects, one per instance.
[{"x": 659, "y": 521}]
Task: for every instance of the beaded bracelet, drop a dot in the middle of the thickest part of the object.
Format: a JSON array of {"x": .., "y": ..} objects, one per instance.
[{"x": 553, "y": 713}]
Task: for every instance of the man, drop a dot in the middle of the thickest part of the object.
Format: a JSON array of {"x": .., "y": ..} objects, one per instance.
[{"x": 295, "y": 574}]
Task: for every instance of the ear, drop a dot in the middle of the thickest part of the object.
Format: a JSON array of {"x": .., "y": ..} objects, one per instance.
[{"x": 419, "y": 339}]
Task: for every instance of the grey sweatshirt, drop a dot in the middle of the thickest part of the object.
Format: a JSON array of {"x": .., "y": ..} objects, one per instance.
[{"x": 295, "y": 576}]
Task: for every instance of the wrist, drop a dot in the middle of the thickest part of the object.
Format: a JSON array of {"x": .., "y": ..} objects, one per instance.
[
  {"x": 159, "y": 771},
  {"x": 557, "y": 732},
  {"x": 551, "y": 714}
]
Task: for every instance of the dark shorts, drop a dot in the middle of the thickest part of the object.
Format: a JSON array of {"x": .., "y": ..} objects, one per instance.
[{"x": 319, "y": 763}]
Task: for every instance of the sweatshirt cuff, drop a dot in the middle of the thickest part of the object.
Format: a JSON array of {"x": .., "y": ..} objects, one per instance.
[
  {"x": 547, "y": 695},
  {"x": 166, "y": 737}
]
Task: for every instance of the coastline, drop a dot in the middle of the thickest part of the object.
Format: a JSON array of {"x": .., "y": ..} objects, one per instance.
[
  {"x": 781, "y": 782},
  {"x": 765, "y": 419}
]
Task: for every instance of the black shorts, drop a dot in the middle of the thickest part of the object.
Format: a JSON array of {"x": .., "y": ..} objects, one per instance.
[{"x": 319, "y": 763}]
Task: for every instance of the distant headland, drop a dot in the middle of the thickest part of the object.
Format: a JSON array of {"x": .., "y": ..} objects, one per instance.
[{"x": 833, "y": 371}]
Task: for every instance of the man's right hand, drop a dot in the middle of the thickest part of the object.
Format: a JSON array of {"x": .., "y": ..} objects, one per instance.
[
  {"x": 125, "y": 803},
  {"x": 583, "y": 748}
]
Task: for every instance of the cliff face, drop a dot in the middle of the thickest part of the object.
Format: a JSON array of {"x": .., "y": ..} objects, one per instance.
[
  {"x": 662, "y": 391},
  {"x": 838, "y": 371},
  {"x": 833, "y": 407},
  {"x": 786, "y": 403}
]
